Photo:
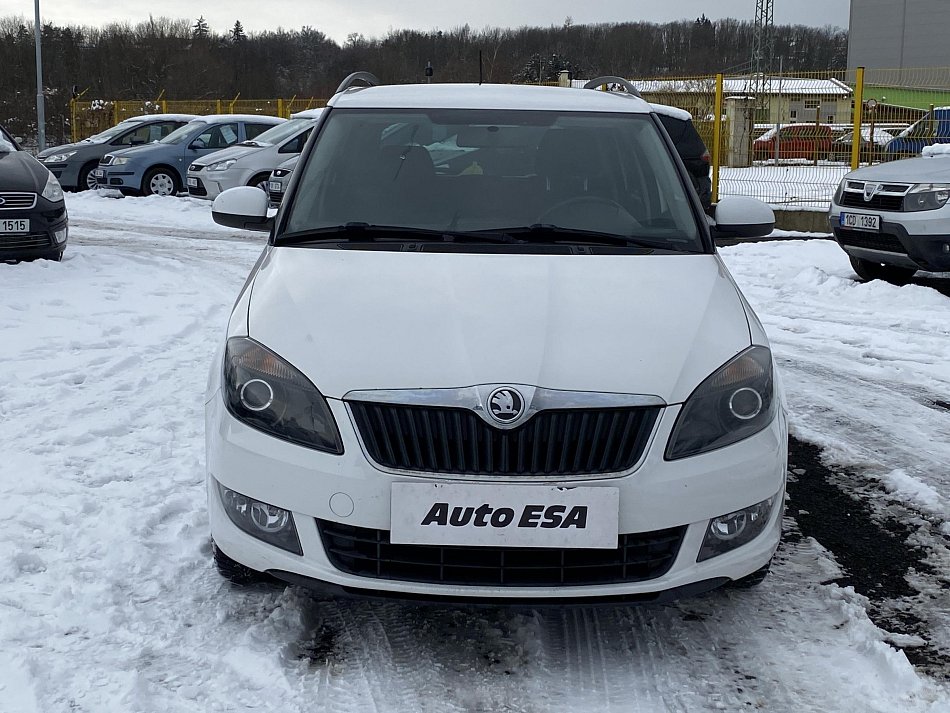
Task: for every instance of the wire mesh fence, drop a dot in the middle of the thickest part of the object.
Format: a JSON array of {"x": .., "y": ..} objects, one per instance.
[{"x": 785, "y": 138}]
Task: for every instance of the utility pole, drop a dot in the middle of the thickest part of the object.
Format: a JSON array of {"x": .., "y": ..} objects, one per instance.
[
  {"x": 761, "y": 48},
  {"x": 40, "y": 99}
]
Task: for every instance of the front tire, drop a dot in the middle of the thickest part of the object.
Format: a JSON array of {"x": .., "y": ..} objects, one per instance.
[
  {"x": 86, "y": 180},
  {"x": 259, "y": 181},
  {"x": 160, "y": 182},
  {"x": 234, "y": 571},
  {"x": 869, "y": 270}
]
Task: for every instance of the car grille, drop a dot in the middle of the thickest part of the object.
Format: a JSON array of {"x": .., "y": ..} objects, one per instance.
[
  {"x": 27, "y": 241},
  {"x": 878, "y": 202},
  {"x": 17, "y": 201},
  {"x": 368, "y": 553},
  {"x": 432, "y": 439},
  {"x": 885, "y": 242}
]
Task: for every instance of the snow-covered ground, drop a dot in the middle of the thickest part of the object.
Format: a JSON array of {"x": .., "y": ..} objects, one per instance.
[{"x": 109, "y": 602}]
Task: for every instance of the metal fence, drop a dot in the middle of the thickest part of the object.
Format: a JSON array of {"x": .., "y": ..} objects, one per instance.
[
  {"x": 788, "y": 138},
  {"x": 91, "y": 117},
  {"x": 785, "y": 138}
]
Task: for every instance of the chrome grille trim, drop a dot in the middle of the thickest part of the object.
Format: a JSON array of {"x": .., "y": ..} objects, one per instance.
[{"x": 17, "y": 201}]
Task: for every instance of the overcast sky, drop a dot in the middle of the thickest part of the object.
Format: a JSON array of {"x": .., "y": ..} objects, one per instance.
[{"x": 374, "y": 18}]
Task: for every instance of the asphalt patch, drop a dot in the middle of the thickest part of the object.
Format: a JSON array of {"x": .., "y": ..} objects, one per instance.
[{"x": 873, "y": 552}]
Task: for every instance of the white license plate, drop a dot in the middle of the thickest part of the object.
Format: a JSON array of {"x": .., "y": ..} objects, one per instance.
[
  {"x": 192, "y": 182},
  {"x": 860, "y": 221},
  {"x": 274, "y": 186},
  {"x": 504, "y": 515},
  {"x": 99, "y": 172},
  {"x": 18, "y": 225}
]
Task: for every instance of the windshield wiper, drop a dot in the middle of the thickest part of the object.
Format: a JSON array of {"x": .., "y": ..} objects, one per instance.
[
  {"x": 544, "y": 232},
  {"x": 364, "y": 232}
]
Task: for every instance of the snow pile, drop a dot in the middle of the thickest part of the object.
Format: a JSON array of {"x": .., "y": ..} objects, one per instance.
[{"x": 936, "y": 150}]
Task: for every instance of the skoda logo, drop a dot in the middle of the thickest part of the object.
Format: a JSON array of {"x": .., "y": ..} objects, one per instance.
[
  {"x": 505, "y": 404},
  {"x": 870, "y": 190}
]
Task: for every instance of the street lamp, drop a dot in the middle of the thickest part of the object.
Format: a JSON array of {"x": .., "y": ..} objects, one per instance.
[{"x": 40, "y": 101}]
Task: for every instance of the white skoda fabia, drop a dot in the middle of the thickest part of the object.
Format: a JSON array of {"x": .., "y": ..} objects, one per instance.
[{"x": 490, "y": 353}]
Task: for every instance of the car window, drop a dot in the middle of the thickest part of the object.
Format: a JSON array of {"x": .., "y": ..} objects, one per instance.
[
  {"x": 163, "y": 129},
  {"x": 296, "y": 144},
  {"x": 219, "y": 136},
  {"x": 478, "y": 170},
  {"x": 141, "y": 135},
  {"x": 252, "y": 131}
]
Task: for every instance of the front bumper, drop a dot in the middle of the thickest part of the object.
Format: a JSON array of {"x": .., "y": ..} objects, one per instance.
[
  {"x": 656, "y": 495},
  {"x": 46, "y": 220},
  {"x": 67, "y": 173},
  {"x": 209, "y": 185},
  {"x": 125, "y": 177},
  {"x": 920, "y": 241}
]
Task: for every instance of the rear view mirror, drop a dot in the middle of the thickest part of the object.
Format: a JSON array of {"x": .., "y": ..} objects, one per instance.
[
  {"x": 742, "y": 217},
  {"x": 244, "y": 207}
]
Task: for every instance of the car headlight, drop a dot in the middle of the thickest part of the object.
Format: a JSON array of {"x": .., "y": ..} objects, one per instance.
[
  {"x": 840, "y": 191},
  {"x": 265, "y": 392},
  {"x": 735, "y": 402},
  {"x": 52, "y": 191},
  {"x": 222, "y": 165},
  {"x": 927, "y": 196},
  {"x": 120, "y": 160},
  {"x": 58, "y": 157}
]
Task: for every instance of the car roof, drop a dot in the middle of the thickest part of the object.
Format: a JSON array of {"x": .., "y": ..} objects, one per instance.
[
  {"x": 161, "y": 117},
  {"x": 307, "y": 114},
  {"x": 487, "y": 96},
  {"x": 264, "y": 118}
]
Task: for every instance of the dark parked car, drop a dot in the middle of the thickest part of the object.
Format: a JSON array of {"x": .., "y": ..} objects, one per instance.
[
  {"x": 73, "y": 164},
  {"x": 33, "y": 222},
  {"x": 689, "y": 145}
]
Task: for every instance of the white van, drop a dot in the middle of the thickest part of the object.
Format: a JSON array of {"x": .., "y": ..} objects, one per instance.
[{"x": 490, "y": 353}]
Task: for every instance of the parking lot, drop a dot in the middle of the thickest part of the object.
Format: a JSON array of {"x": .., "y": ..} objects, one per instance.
[{"x": 111, "y": 601}]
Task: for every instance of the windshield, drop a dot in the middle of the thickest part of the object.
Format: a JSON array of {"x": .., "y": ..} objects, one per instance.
[
  {"x": 109, "y": 134},
  {"x": 183, "y": 132},
  {"x": 282, "y": 131},
  {"x": 495, "y": 170}
]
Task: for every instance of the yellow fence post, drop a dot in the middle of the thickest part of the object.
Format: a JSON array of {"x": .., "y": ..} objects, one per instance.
[
  {"x": 233, "y": 102},
  {"x": 856, "y": 139},
  {"x": 73, "y": 129},
  {"x": 217, "y": 103},
  {"x": 717, "y": 138},
  {"x": 280, "y": 108},
  {"x": 115, "y": 112}
]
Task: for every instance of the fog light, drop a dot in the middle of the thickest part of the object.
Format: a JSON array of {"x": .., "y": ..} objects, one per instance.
[
  {"x": 60, "y": 235},
  {"x": 734, "y": 529},
  {"x": 256, "y": 395},
  {"x": 266, "y": 522}
]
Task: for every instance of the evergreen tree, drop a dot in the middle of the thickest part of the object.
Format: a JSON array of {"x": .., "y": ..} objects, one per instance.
[
  {"x": 237, "y": 32},
  {"x": 200, "y": 29}
]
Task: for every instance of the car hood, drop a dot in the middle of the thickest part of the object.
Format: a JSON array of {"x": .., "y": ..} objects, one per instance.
[
  {"x": 908, "y": 170},
  {"x": 60, "y": 149},
  {"x": 359, "y": 320},
  {"x": 232, "y": 152},
  {"x": 149, "y": 150},
  {"x": 19, "y": 171}
]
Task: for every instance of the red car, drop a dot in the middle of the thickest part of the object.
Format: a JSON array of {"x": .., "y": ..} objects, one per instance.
[{"x": 808, "y": 141}]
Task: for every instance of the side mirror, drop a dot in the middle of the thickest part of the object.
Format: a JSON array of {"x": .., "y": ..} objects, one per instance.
[
  {"x": 197, "y": 144},
  {"x": 741, "y": 217},
  {"x": 244, "y": 207}
]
